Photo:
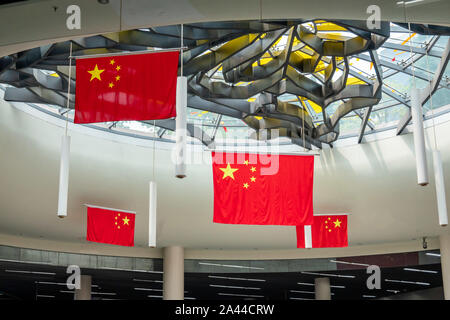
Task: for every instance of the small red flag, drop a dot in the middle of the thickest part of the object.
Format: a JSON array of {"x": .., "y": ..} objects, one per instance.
[
  {"x": 126, "y": 87},
  {"x": 326, "y": 231},
  {"x": 258, "y": 189},
  {"x": 110, "y": 226}
]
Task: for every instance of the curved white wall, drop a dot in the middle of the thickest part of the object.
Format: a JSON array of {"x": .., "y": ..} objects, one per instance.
[{"x": 375, "y": 182}]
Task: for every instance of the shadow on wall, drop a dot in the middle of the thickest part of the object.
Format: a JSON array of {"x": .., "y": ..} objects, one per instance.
[{"x": 427, "y": 294}]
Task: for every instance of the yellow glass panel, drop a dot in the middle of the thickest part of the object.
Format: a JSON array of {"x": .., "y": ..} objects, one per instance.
[
  {"x": 330, "y": 36},
  {"x": 328, "y": 26},
  {"x": 315, "y": 106},
  {"x": 251, "y": 99},
  {"x": 262, "y": 61},
  {"x": 54, "y": 75},
  {"x": 352, "y": 81}
]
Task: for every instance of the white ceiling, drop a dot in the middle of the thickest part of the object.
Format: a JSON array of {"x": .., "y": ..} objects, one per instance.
[{"x": 38, "y": 22}]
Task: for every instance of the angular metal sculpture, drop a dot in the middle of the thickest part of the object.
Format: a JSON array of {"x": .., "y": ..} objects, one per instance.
[{"x": 240, "y": 69}]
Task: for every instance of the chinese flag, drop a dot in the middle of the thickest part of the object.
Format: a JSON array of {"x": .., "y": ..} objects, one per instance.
[
  {"x": 261, "y": 189},
  {"x": 127, "y": 87},
  {"x": 325, "y": 232},
  {"x": 109, "y": 226}
]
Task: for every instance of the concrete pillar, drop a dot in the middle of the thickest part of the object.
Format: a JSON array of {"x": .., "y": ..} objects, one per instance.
[
  {"x": 84, "y": 293},
  {"x": 173, "y": 277},
  {"x": 322, "y": 288},
  {"x": 445, "y": 263}
]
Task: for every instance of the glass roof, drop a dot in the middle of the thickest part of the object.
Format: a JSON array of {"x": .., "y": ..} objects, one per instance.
[{"x": 403, "y": 57}]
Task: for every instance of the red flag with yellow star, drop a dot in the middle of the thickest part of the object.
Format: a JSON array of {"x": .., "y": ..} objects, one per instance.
[
  {"x": 126, "y": 87},
  {"x": 110, "y": 226},
  {"x": 262, "y": 189},
  {"x": 326, "y": 231}
]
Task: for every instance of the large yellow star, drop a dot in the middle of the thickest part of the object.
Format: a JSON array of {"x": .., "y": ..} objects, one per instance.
[
  {"x": 125, "y": 221},
  {"x": 228, "y": 172},
  {"x": 95, "y": 74},
  {"x": 337, "y": 223},
  {"x": 252, "y": 179}
]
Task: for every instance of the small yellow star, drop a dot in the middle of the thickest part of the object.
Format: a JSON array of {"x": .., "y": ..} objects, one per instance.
[
  {"x": 117, "y": 78},
  {"x": 116, "y": 223},
  {"x": 112, "y": 61},
  {"x": 228, "y": 172},
  {"x": 245, "y": 185},
  {"x": 111, "y": 84},
  {"x": 329, "y": 218},
  {"x": 246, "y": 162},
  {"x": 95, "y": 73},
  {"x": 253, "y": 169},
  {"x": 326, "y": 227},
  {"x": 252, "y": 179},
  {"x": 118, "y": 68},
  {"x": 118, "y": 214},
  {"x": 329, "y": 230},
  {"x": 337, "y": 223},
  {"x": 125, "y": 221},
  {"x": 118, "y": 227},
  {"x": 116, "y": 218}
]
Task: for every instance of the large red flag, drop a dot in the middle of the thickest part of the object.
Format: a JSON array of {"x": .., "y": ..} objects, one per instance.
[
  {"x": 126, "y": 87},
  {"x": 110, "y": 226},
  {"x": 262, "y": 189},
  {"x": 327, "y": 231}
]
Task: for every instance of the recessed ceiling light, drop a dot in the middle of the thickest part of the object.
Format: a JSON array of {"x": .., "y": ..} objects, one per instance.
[
  {"x": 229, "y": 265},
  {"x": 233, "y": 287},
  {"x": 351, "y": 263},
  {"x": 420, "y": 270},
  {"x": 105, "y": 293},
  {"x": 407, "y": 282},
  {"x": 239, "y": 295},
  {"x": 311, "y": 292},
  {"x": 31, "y": 272},
  {"x": 306, "y": 284},
  {"x": 234, "y": 278},
  {"x": 393, "y": 291},
  {"x": 148, "y": 289},
  {"x": 328, "y": 274},
  {"x": 433, "y": 254},
  {"x": 147, "y": 280}
]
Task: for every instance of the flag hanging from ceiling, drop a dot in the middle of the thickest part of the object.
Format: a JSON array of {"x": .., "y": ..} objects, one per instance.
[
  {"x": 126, "y": 87},
  {"x": 327, "y": 231},
  {"x": 258, "y": 189},
  {"x": 110, "y": 226}
]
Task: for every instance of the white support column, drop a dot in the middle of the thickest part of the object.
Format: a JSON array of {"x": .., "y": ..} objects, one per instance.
[
  {"x": 445, "y": 263},
  {"x": 84, "y": 293},
  {"x": 173, "y": 277},
  {"x": 64, "y": 176},
  {"x": 181, "y": 128},
  {"x": 419, "y": 138},
  {"x": 322, "y": 288}
]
